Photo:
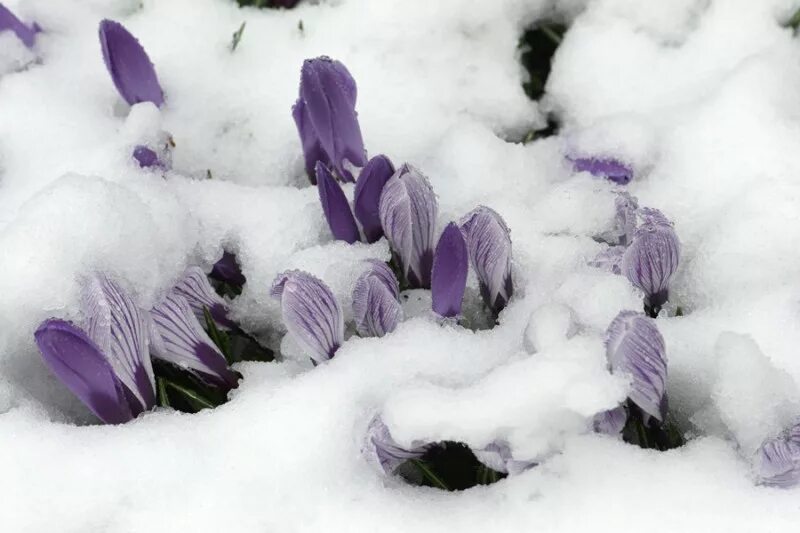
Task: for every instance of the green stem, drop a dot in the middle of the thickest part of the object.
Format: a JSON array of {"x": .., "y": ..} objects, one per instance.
[
  {"x": 192, "y": 395},
  {"x": 550, "y": 34},
  {"x": 163, "y": 399},
  {"x": 428, "y": 473}
]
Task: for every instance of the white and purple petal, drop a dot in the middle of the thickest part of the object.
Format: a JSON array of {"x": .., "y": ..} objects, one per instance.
[
  {"x": 652, "y": 258},
  {"x": 449, "y": 276},
  {"x": 489, "y": 242},
  {"x": 777, "y": 461},
  {"x": 610, "y": 422},
  {"x": 383, "y": 450},
  {"x": 376, "y": 307},
  {"x": 497, "y": 456},
  {"x": 194, "y": 286}
]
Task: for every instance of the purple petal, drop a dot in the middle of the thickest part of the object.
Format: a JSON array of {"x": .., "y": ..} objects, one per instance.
[
  {"x": 335, "y": 206},
  {"x": 449, "y": 277},
  {"x": 376, "y": 307},
  {"x": 408, "y": 210},
  {"x": 227, "y": 270},
  {"x": 312, "y": 149},
  {"x": 311, "y": 313},
  {"x": 489, "y": 242},
  {"x": 652, "y": 258},
  {"x": 25, "y": 33},
  {"x": 121, "y": 332},
  {"x": 146, "y": 157},
  {"x": 611, "y": 422},
  {"x": 625, "y": 219},
  {"x": 184, "y": 343},
  {"x": 635, "y": 347},
  {"x": 369, "y": 186},
  {"x": 498, "y": 457},
  {"x": 609, "y": 260},
  {"x": 131, "y": 70},
  {"x": 381, "y": 448},
  {"x": 604, "y": 167},
  {"x": 80, "y": 365},
  {"x": 777, "y": 461},
  {"x": 194, "y": 286}
]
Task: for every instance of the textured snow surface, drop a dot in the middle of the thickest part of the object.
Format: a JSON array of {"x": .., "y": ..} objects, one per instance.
[{"x": 701, "y": 96}]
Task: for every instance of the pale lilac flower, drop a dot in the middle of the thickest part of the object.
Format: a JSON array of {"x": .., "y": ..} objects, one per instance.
[
  {"x": 449, "y": 276},
  {"x": 408, "y": 210},
  {"x": 194, "y": 286},
  {"x": 311, "y": 313},
  {"x": 369, "y": 186},
  {"x": 25, "y": 33},
  {"x": 635, "y": 348},
  {"x": 335, "y": 206},
  {"x": 610, "y": 422},
  {"x": 497, "y": 456},
  {"x": 376, "y": 306},
  {"x": 131, "y": 70},
  {"x": 652, "y": 258},
  {"x": 604, "y": 167},
  {"x": 383, "y": 450},
  {"x": 489, "y": 242},
  {"x": 777, "y": 461}
]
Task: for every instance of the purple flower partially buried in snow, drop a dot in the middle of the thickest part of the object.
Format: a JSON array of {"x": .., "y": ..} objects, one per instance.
[
  {"x": 335, "y": 206},
  {"x": 155, "y": 157},
  {"x": 131, "y": 70},
  {"x": 25, "y": 33},
  {"x": 777, "y": 461},
  {"x": 497, "y": 456},
  {"x": 383, "y": 450},
  {"x": 449, "y": 276},
  {"x": 626, "y": 207},
  {"x": 610, "y": 422},
  {"x": 326, "y": 118},
  {"x": 489, "y": 242},
  {"x": 369, "y": 187},
  {"x": 311, "y": 313},
  {"x": 199, "y": 294},
  {"x": 376, "y": 306},
  {"x": 610, "y": 259},
  {"x": 634, "y": 347},
  {"x": 106, "y": 363},
  {"x": 604, "y": 167},
  {"x": 227, "y": 270},
  {"x": 408, "y": 210}
]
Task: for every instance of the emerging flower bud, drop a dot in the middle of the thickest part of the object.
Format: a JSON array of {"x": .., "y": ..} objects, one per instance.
[
  {"x": 604, "y": 167},
  {"x": 376, "y": 307},
  {"x": 408, "y": 210},
  {"x": 382, "y": 449},
  {"x": 227, "y": 270},
  {"x": 777, "y": 461},
  {"x": 489, "y": 242},
  {"x": 369, "y": 186},
  {"x": 652, "y": 258},
  {"x": 25, "y": 33},
  {"x": 635, "y": 347},
  {"x": 449, "y": 277},
  {"x": 335, "y": 206},
  {"x": 131, "y": 70},
  {"x": 311, "y": 313}
]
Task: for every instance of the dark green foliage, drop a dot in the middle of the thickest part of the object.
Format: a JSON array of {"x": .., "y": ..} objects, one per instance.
[
  {"x": 448, "y": 466},
  {"x": 538, "y": 44}
]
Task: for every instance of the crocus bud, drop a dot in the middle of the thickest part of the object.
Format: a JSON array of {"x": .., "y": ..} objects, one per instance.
[
  {"x": 326, "y": 119},
  {"x": 634, "y": 347},
  {"x": 449, "y": 277},
  {"x": 376, "y": 307},
  {"x": 408, "y": 210},
  {"x": 146, "y": 157},
  {"x": 227, "y": 270},
  {"x": 311, "y": 313},
  {"x": 652, "y": 258},
  {"x": 369, "y": 186},
  {"x": 382, "y": 449},
  {"x": 604, "y": 167},
  {"x": 200, "y": 295},
  {"x": 489, "y": 243},
  {"x": 158, "y": 156},
  {"x": 497, "y": 456},
  {"x": 777, "y": 461},
  {"x": 25, "y": 33},
  {"x": 131, "y": 70},
  {"x": 610, "y": 422},
  {"x": 335, "y": 206}
]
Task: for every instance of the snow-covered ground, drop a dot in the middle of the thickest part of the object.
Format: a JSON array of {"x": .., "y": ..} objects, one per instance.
[{"x": 703, "y": 96}]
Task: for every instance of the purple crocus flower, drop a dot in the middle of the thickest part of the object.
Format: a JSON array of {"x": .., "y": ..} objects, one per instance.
[
  {"x": 652, "y": 258},
  {"x": 611, "y": 422},
  {"x": 146, "y": 157},
  {"x": 25, "y": 33},
  {"x": 497, "y": 456},
  {"x": 408, "y": 210},
  {"x": 200, "y": 295},
  {"x": 335, "y": 206},
  {"x": 227, "y": 270},
  {"x": 311, "y": 313},
  {"x": 489, "y": 242},
  {"x": 777, "y": 461},
  {"x": 376, "y": 306},
  {"x": 604, "y": 167},
  {"x": 369, "y": 187},
  {"x": 449, "y": 276},
  {"x": 105, "y": 364},
  {"x": 381, "y": 448},
  {"x": 635, "y": 347},
  {"x": 131, "y": 70},
  {"x": 326, "y": 118}
]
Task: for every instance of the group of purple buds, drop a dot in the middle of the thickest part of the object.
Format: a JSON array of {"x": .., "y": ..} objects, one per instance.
[{"x": 24, "y": 32}]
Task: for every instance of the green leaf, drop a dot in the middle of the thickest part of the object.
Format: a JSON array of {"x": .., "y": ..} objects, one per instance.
[
  {"x": 237, "y": 36},
  {"x": 218, "y": 337},
  {"x": 192, "y": 397},
  {"x": 163, "y": 397}
]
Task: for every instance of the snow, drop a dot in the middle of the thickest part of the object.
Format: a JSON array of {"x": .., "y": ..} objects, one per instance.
[{"x": 699, "y": 95}]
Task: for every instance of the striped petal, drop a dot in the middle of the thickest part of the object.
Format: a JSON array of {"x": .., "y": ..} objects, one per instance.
[
  {"x": 652, "y": 257},
  {"x": 777, "y": 461},
  {"x": 376, "y": 307},
  {"x": 382, "y": 449},
  {"x": 200, "y": 295}
]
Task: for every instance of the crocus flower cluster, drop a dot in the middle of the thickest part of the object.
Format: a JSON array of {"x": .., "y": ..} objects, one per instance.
[
  {"x": 777, "y": 461},
  {"x": 24, "y": 32}
]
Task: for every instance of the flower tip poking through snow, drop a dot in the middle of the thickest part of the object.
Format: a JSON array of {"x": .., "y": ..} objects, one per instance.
[
  {"x": 604, "y": 167},
  {"x": 634, "y": 347},
  {"x": 610, "y": 422},
  {"x": 335, "y": 206},
  {"x": 129, "y": 66},
  {"x": 489, "y": 242},
  {"x": 381, "y": 448},
  {"x": 449, "y": 276},
  {"x": 367, "y": 198},
  {"x": 326, "y": 119},
  {"x": 777, "y": 461},
  {"x": 376, "y": 307},
  {"x": 408, "y": 210},
  {"x": 25, "y": 33},
  {"x": 146, "y": 157},
  {"x": 652, "y": 258},
  {"x": 311, "y": 313},
  {"x": 227, "y": 270},
  {"x": 200, "y": 295}
]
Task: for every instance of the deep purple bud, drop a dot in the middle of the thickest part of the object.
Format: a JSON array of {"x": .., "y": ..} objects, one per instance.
[
  {"x": 146, "y": 157},
  {"x": 609, "y": 260},
  {"x": 335, "y": 206},
  {"x": 311, "y": 313},
  {"x": 131, "y": 70},
  {"x": 634, "y": 347},
  {"x": 449, "y": 277},
  {"x": 367, "y": 199},
  {"x": 625, "y": 219},
  {"x": 326, "y": 118},
  {"x": 376, "y": 307},
  {"x": 194, "y": 286},
  {"x": 610, "y": 422},
  {"x": 489, "y": 242},
  {"x": 652, "y": 258},
  {"x": 609, "y": 168},
  {"x": 408, "y": 210},
  {"x": 498, "y": 457},
  {"x": 777, "y": 461},
  {"x": 25, "y": 33},
  {"x": 382, "y": 449},
  {"x": 227, "y": 270}
]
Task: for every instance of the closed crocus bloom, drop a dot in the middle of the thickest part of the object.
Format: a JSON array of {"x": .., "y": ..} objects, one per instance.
[
  {"x": 131, "y": 70},
  {"x": 604, "y": 167},
  {"x": 489, "y": 242},
  {"x": 777, "y": 461},
  {"x": 376, "y": 307},
  {"x": 369, "y": 187},
  {"x": 335, "y": 206},
  {"x": 635, "y": 348},
  {"x": 311, "y": 313},
  {"x": 408, "y": 210},
  {"x": 449, "y": 277},
  {"x": 106, "y": 364},
  {"x": 383, "y": 450},
  {"x": 326, "y": 119},
  {"x": 10, "y": 22},
  {"x": 200, "y": 295}
]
